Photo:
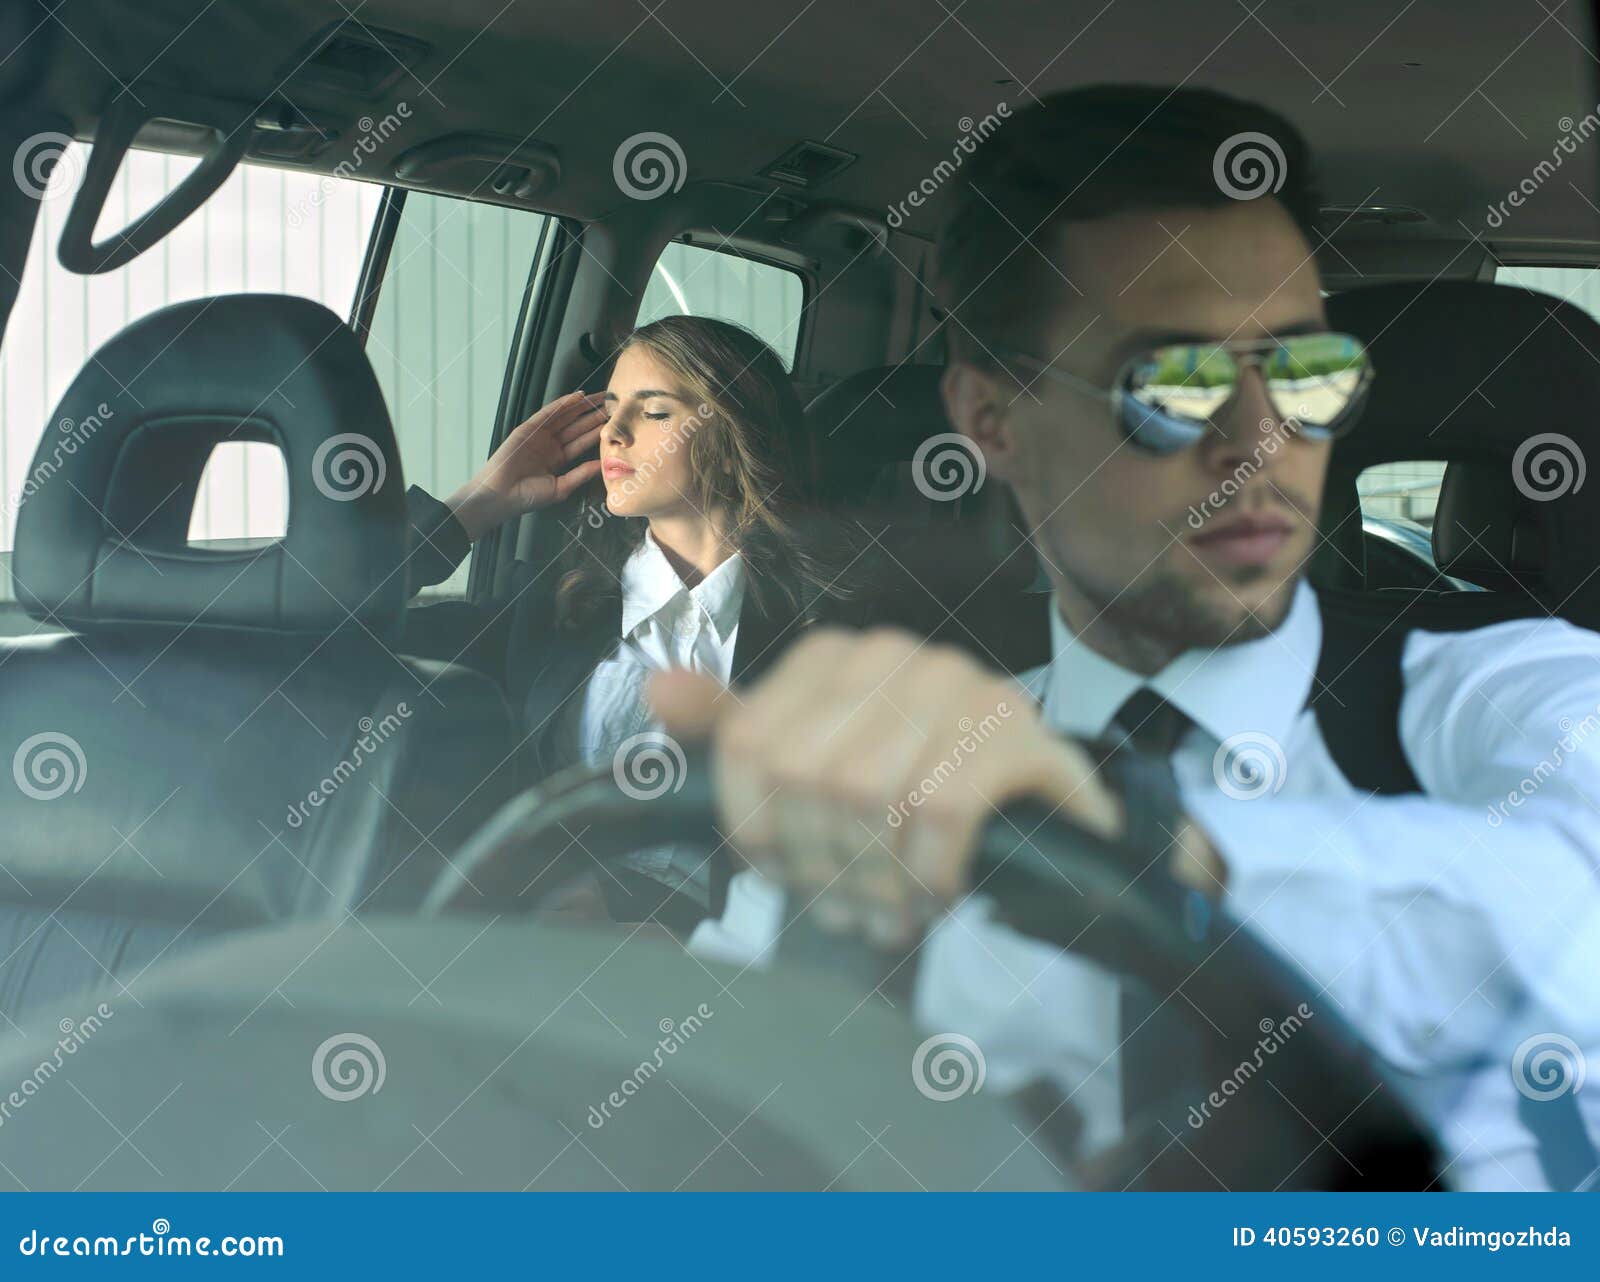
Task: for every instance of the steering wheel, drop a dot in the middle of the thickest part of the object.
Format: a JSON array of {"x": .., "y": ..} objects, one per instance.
[
  {"x": 1324, "y": 1118},
  {"x": 529, "y": 1052}
]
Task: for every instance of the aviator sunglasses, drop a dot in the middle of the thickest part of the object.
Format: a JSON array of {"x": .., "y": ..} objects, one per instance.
[{"x": 1164, "y": 398}]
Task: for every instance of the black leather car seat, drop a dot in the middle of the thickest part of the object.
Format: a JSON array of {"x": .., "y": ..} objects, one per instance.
[
  {"x": 949, "y": 540},
  {"x": 1503, "y": 385},
  {"x": 221, "y": 736}
]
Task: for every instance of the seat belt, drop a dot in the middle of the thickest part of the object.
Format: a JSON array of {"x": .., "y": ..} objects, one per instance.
[
  {"x": 1356, "y": 694},
  {"x": 1360, "y": 679}
]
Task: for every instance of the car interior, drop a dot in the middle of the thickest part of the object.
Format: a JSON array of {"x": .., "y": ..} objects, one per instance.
[{"x": 470, "y": 206}]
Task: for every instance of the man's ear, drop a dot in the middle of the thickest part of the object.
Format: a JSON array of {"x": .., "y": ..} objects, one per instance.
[{"x": 978, "y": 405}]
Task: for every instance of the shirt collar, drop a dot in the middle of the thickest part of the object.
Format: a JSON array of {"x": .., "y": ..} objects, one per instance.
[
  {"x": 1258, "y": 686},
  {"x": 650, "y": 585}
]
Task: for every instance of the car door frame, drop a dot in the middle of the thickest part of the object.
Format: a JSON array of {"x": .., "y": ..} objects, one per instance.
[{"x": 527, "y": 362}]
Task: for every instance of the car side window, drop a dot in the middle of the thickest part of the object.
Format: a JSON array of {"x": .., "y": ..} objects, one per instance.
[
  {"x": 1398, "y": 501},
  {"x": 1580, "y": 286},
  {"x": 766, "y": 299},
  {"x": 1401, "y": 491},
  {"x": 264, "y": 229},
  {"x": 442, "y": 332}
]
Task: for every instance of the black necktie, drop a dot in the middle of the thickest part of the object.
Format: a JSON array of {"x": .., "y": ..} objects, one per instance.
[
  {"x": 1158, "y": 1043},
  {"x": 1150, "y": 722}
]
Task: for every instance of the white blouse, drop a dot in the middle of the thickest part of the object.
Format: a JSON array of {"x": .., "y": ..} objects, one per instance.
[{"x": 665, "y": 624}]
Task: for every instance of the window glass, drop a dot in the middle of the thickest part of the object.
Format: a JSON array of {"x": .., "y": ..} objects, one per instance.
[
  {"x": 245, "y": 501},
  {"x": 265, "y": 230},
  {"x": 442, "y": 332},
  {"x": 1401, "y": 491},
  {"x": 1580, "y": 286},
  {"x": 1398, "y": 503},
  {"x": 767, "y": 300}
]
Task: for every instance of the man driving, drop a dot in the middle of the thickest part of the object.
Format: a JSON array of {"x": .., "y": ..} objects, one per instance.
[{"x": 1144, "y": 358}]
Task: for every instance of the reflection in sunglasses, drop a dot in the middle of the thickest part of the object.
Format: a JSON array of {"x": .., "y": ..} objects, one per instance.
[{"x": 1311, "y": 379}]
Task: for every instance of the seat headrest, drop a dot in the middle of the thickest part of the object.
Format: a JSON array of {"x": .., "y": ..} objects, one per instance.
[
  {"x": 871, "y": 421},
  {"x": 1485, "y": 531},
  {"x": 102, "y": 532},
  {"x": 953, "y": 534},
  {"x": 1504, "y": 381}
]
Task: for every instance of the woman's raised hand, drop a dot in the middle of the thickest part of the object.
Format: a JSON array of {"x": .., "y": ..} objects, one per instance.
[{"x": 534, "y": 465}]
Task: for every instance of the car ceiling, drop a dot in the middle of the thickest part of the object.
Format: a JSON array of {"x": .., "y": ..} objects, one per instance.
[{"x": 1445, "y": 105}]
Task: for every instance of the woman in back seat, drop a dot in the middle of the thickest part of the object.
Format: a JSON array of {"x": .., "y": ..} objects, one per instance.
[{"x": 699, "y": 542}]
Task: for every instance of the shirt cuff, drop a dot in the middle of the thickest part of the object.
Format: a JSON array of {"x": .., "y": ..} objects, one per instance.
[{"x": 438, "y": 542}]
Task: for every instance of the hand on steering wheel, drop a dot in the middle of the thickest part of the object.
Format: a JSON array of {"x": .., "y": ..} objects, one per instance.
[
  {"x": 862, "y": 771},
  {"x": 534, "y": 465}
]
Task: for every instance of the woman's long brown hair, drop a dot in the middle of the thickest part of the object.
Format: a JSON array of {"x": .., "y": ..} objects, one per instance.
[{"x": 750, "y": 459}]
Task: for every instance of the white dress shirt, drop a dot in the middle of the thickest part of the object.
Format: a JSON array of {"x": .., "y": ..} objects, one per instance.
[
  {"x": 665, "y": 624},
  {"x": 1445, "y": 932}
]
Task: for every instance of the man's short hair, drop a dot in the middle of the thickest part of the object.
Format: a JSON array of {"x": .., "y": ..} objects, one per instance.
[{"x": 1090, "y": 153}]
